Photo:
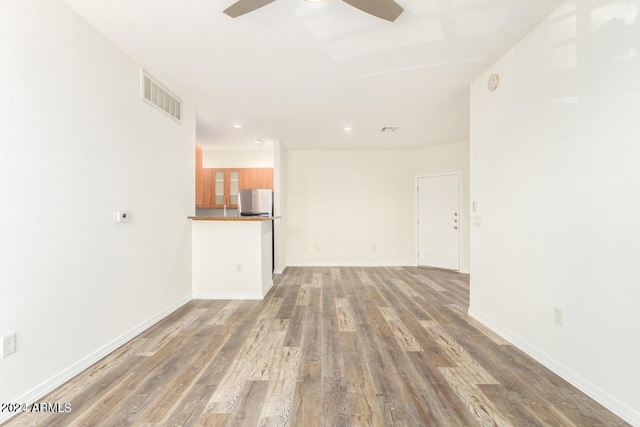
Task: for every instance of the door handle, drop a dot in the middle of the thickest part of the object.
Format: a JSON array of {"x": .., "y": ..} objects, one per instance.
[{"x": 455, "y": 228}]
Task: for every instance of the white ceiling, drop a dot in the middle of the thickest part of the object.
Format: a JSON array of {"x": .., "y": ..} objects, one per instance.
[{"x": 300, "y": 73}]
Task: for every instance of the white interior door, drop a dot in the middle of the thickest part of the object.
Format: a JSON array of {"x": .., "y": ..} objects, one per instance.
[{"x": 439, "y": 222}]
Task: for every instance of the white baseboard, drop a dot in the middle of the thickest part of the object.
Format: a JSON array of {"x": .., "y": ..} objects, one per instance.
[
  {"x": 229, "y": 295},
  {"x": 64, "y": 376},
  {"x": 611, "y": 403},
  {"x": 351, "y": 264},
  {"x": 266, "y": 290},
  {"x": 355, "y": 264},
  {"x": 280, "y": 270},
  {"x": 234, "y": 295}
]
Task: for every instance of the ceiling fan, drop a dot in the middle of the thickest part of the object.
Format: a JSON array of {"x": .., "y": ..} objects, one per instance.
[{"x": 385, "y": 9}]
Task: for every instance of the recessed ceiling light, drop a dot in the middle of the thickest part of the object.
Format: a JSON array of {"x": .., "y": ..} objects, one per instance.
[
  {"x": 314, "y": 1},
  {"x": 237, "y": 126},
  {"x": 347, "y": 129},
  {"x": 257, "y": 142}
]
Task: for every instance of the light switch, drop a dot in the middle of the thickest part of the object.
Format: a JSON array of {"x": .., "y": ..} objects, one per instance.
[{"x": 475, "y": 206}]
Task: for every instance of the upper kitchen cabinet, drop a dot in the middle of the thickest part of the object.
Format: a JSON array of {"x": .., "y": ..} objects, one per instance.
[
  {"x": 222, "y": 187},
  {"x": 254, "y": 178},
  {"x": 208, "y": 185},
  {"x": 219, "y": 186}
]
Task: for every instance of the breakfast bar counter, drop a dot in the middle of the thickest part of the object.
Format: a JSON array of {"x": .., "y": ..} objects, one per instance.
[
  {"x": 232, "y": 257},
  {"x": 233, "y": 218}
]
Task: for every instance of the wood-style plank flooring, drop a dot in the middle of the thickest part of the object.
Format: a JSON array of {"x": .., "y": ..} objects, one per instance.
[{"x": 327, "y": 347}]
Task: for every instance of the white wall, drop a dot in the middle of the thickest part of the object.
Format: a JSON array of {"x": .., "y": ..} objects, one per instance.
[
  {"x": 237, "y": 159},
  {"x": 554, "y": 166},
  {"x": 340, "y": 204},
  {"x": 75, "y": 143},
  {"x": 279, "y": 208}
]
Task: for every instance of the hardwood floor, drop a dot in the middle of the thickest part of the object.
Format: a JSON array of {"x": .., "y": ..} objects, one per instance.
[{"x": 327, "y": 347}]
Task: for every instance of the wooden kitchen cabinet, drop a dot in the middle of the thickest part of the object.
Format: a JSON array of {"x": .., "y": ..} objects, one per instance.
[
  {"x": 254, "y": 178},
  {"x": 216, "y": 188},
  {"x": 208, "y": 183},
  {"x": 221, "y": 187}
]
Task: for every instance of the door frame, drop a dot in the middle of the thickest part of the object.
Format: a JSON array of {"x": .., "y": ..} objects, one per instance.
[{"x": 417, "y": 215}]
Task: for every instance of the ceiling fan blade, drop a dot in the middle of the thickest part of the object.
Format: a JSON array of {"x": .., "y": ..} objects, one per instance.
[
  {"x": 241, "y": 7},
  {"x": 385, "y": 9}
]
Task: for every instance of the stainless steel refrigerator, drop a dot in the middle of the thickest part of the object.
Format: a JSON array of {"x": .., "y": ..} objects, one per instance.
[{"x": 255, "y": 202}]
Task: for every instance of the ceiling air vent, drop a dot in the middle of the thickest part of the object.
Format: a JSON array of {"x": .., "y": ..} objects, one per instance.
[
  {"x": 389, "y": 129},
  {"x": 155, "y": 94}
]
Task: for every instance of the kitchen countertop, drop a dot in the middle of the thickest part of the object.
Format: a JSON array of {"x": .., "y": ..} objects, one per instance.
[{"x": 233, "y": 218}]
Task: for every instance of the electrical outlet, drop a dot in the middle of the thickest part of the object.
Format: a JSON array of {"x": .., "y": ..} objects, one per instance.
[
  {"x": 373, "y": 248},
  {"x": 122, "y": 216},
  {"x": 317, "y": 247},
  {"x": 239, "y": 268},
  {"x": 557, "y": 316},
  {"x": 8, "y": 345}
]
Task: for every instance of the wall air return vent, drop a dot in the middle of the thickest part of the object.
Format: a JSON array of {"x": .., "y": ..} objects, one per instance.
[{"x": 155, "y": 94}]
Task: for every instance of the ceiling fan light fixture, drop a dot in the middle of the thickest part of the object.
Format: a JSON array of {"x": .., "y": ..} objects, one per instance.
[{"x": 388, "y": 10}]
